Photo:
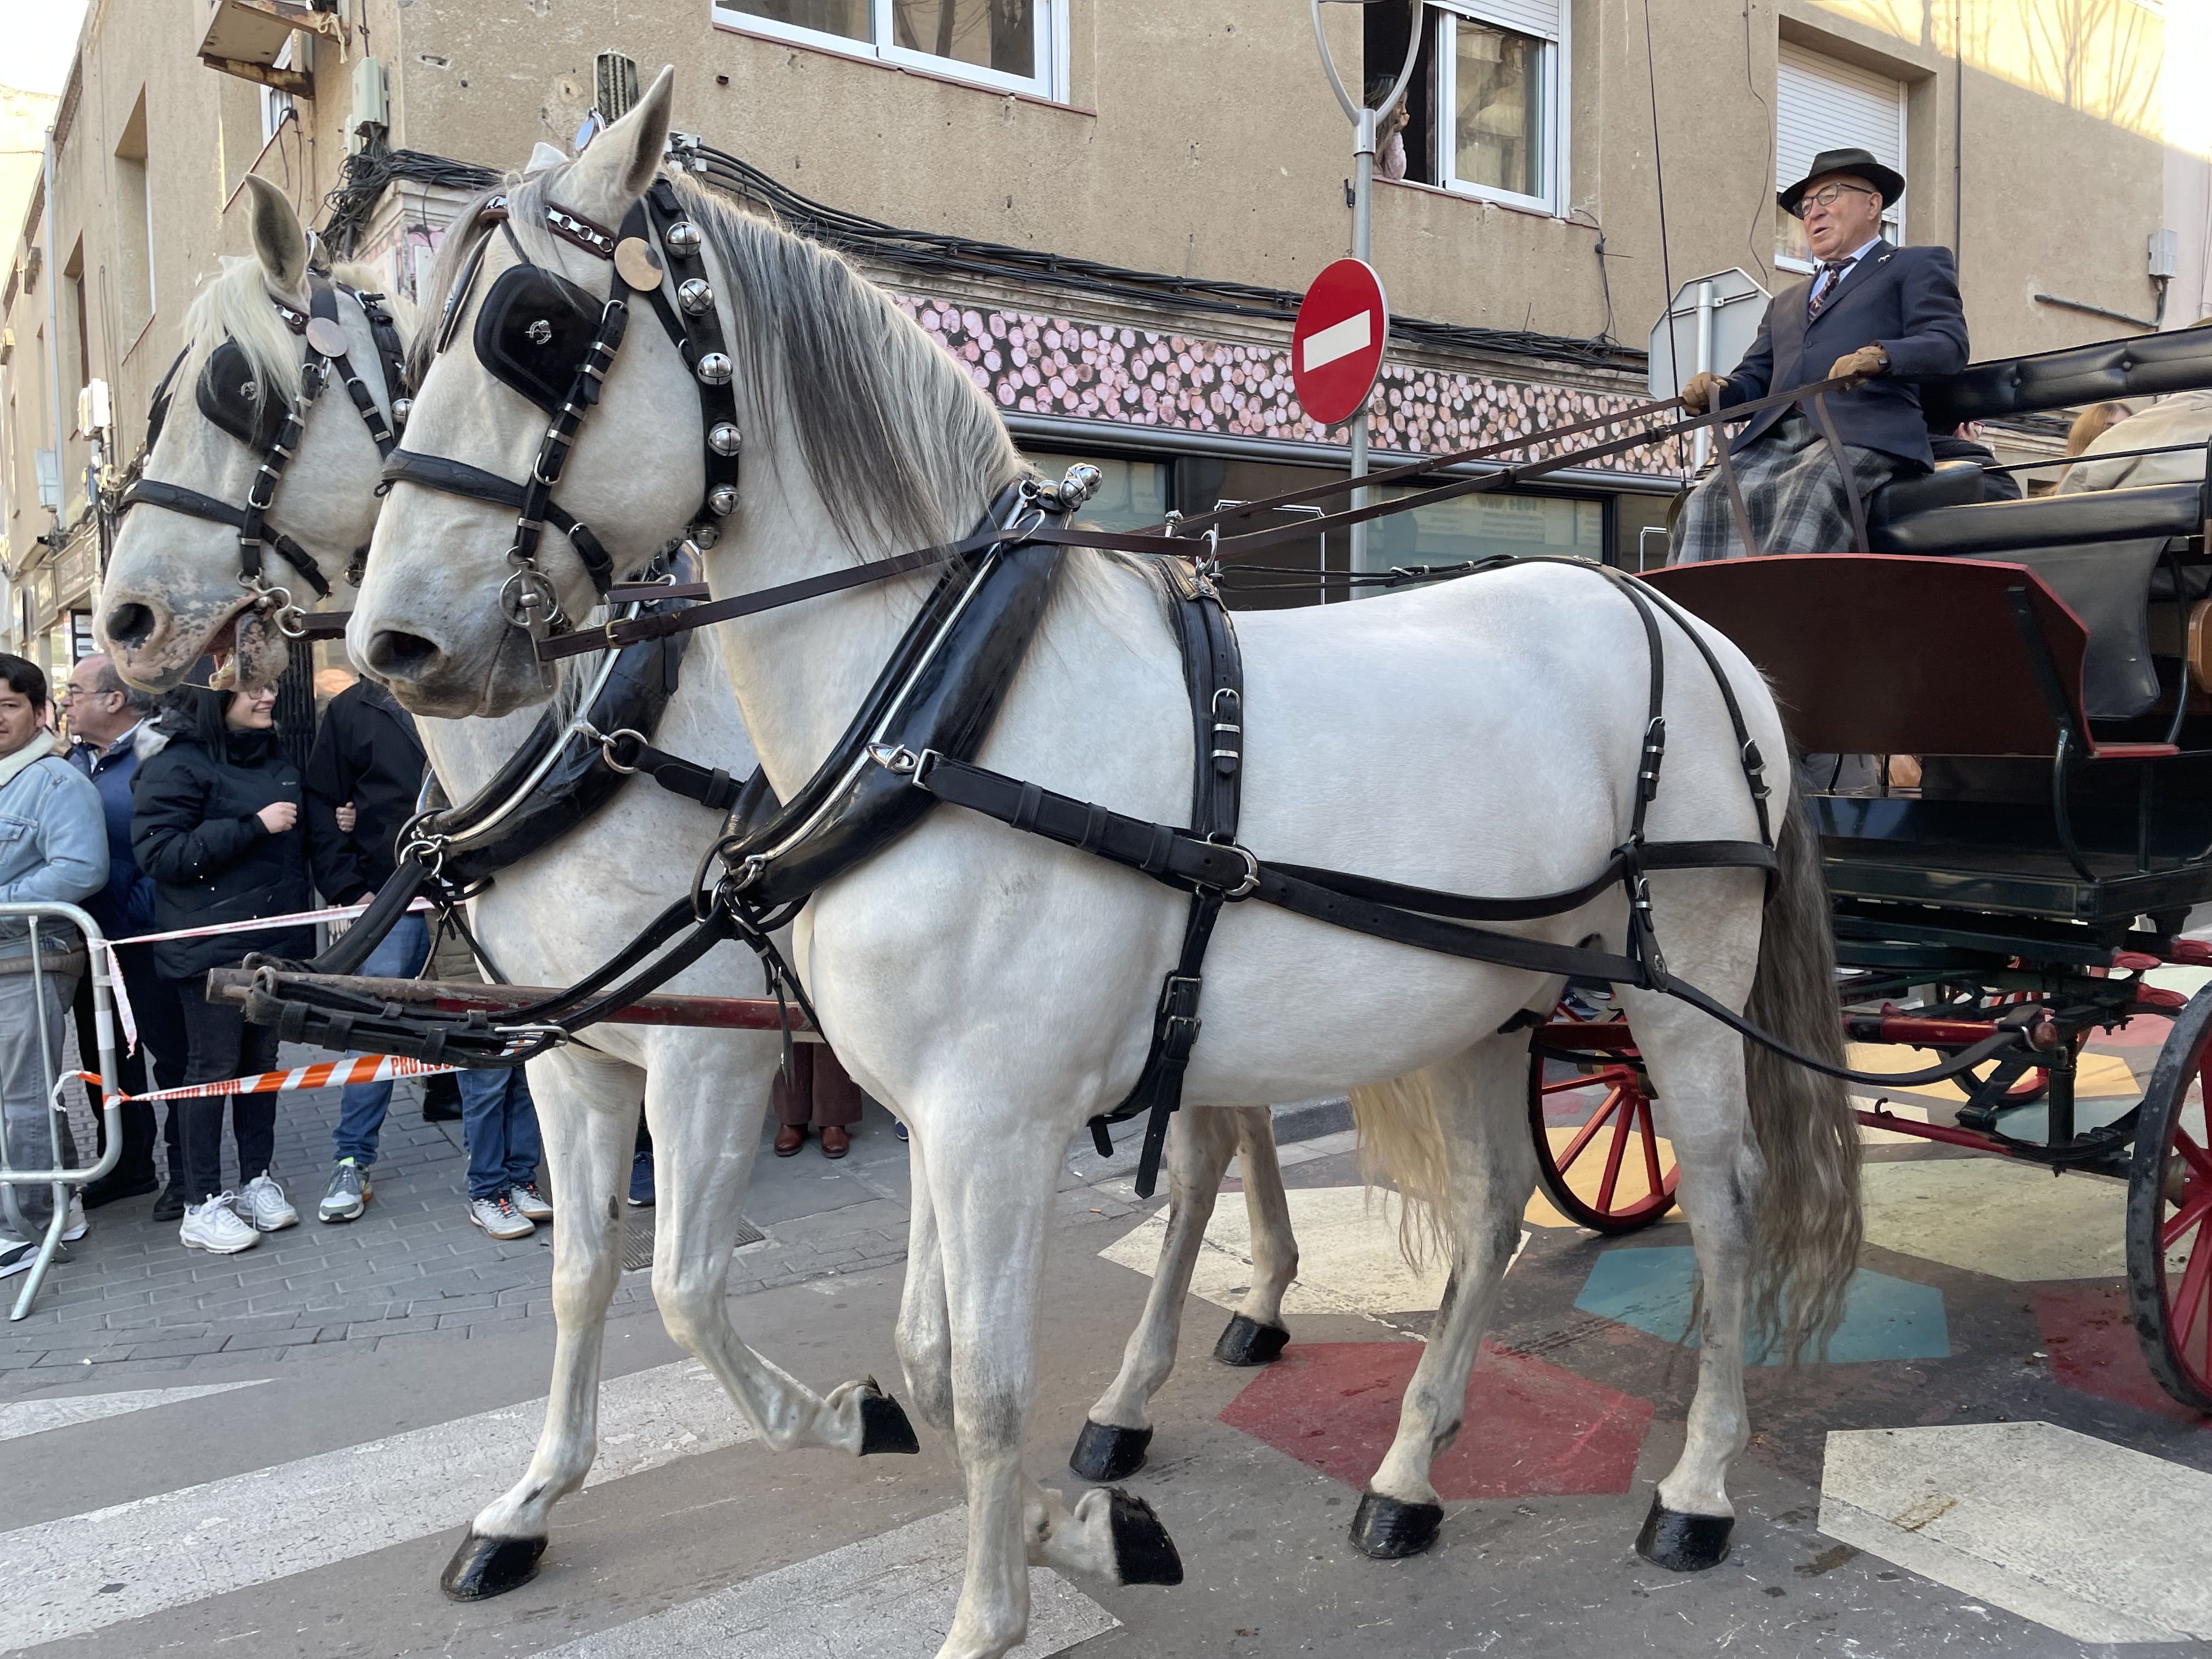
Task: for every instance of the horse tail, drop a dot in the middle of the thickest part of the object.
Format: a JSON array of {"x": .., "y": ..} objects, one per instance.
[
  {"x": 1809, "y": 1227},
  {"x": 1401, "y": 1140}
]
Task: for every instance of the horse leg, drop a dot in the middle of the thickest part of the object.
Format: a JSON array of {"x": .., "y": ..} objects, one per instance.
[
  {"x": 1117, "y": 1431},
  {"x": 1256, "y": 1334},
  {"x": 1492, "y": 1170},
  {"x": 587, "y": 1120},
  {"x": 706, "y": 1115},
  {"x": 925, "y": 1328}
]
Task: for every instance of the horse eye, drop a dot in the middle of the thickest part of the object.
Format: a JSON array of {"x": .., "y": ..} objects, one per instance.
[{"x": 539, "y": 331}]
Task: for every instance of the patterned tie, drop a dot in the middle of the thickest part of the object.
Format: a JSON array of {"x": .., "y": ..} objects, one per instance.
[{"x": 1833, "y": 271}]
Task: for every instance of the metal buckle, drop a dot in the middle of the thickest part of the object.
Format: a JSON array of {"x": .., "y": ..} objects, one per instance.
[
  {"x": 608, "y": 740},
  {"x": 527, "y": 599},
  {"x": 1250, "y": 884},
  {"x": 898, "y": 758}
]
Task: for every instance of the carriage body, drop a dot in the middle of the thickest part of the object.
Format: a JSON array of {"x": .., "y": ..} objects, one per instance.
[{"x": 2033, "y": 656}]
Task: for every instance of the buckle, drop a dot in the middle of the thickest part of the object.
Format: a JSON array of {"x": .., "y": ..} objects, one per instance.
[{"x": 1250, "y": 884}]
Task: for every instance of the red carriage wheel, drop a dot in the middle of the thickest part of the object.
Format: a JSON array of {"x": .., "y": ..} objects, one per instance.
[
  {"x": 1599, "y": 1153},
  {"x": 2170, "y": 1211}
]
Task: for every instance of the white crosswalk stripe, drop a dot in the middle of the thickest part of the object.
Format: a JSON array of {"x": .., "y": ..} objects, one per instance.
[
  {"x": 37, "y": 1416},
  {"x": 63, "y": 1577},
  {"x": 890, "y": 1597}
]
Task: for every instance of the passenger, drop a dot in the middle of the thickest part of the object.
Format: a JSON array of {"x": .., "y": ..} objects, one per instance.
[
  {"x": 1963, "y": 443},
  {"x": 2184, "y": 418},
  {"x": 217, "y": 826},
  {"x": 1879, "y": 316}
]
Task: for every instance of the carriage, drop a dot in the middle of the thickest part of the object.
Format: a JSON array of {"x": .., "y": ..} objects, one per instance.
[{"x": 2043, "y": 660}]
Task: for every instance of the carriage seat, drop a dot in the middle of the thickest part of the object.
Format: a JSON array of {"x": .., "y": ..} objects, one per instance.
[
  {"x": 2164, "y": 511},
  {"x": 1953, "y": 483}
]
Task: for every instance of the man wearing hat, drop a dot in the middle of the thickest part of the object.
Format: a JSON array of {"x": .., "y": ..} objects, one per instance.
[{"x": 1878, "y": 316}]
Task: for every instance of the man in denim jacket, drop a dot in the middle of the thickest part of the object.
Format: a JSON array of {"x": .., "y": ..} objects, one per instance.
[{"x": 54, "y": 845}]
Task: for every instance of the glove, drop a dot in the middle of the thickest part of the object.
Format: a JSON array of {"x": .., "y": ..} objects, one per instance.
[
  {"x": 1860, "y": 367},
  {"x": 1703, "y": 391}
]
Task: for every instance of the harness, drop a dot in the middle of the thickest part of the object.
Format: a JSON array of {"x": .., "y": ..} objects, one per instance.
[{"x": 231, "y": 398}]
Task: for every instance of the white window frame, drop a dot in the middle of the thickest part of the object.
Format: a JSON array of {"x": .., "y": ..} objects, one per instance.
[
  {"x": 1554, "y": 78},
  {"x": 1048, "y": 83},
  {"x": 1893, "y": 213}
]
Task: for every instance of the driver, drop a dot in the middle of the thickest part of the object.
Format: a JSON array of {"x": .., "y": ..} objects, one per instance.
[{"x": 1880, "y": 316}]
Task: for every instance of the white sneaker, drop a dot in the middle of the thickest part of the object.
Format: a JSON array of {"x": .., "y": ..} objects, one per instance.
[
  {"x": 266, "y": 1206},
  {"x": 77, "y": 1227},
  {"x": 215, "y": 1225},
  {"x": 499, "y": 1218},
  {"x": 16, "y": 1254},
  {"x": 530, "y": 1199}
]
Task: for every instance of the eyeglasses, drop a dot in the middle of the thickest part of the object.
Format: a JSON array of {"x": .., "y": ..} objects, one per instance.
[
  {"x": 68, "y": 692},
  {"x": 1829, "y": 195}
]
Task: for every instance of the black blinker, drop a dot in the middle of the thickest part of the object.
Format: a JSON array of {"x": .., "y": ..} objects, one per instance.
[
  {"x": 231, "y": 395},
  {"x": 533, "y": 330}
]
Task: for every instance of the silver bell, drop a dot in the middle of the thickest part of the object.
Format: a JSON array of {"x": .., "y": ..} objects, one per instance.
[
  {"x": 695, "y": 295},
  {"x": 722, "y": 500},
  {"x": 722, "y": 438},
  {"x": 704, "y": 536},
  {"x": 401, "y": 409},
  {"x": 681, "y": 237},
  {"x": 716, "y": 368}
]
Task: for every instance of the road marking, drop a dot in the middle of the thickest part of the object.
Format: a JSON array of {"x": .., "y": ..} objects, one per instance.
[
  {"x": 2009, "y": 1220},
  {"x": 63, "y": 1577},
  {"x": 1349, "y": 1261},
  {"x": 37, "y": 1416},
  {"x": 890, "y": 1597},
  {"x": 1324, "y": 346},
  {"x": 2096, "y": 1541},
  {"x": 1652, "y": 1288}
]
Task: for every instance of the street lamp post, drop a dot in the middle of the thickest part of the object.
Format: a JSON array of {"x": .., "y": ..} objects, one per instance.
[{"x": 1364, "y": 122}]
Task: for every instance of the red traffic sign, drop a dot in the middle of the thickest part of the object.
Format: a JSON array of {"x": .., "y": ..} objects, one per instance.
[{"x": 1336, "y": 349}]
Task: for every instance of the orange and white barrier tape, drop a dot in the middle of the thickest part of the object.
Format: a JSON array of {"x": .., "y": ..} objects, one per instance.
[{"x": 323, "y": 1074}]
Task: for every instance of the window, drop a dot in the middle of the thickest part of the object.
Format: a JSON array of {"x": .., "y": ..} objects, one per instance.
[
  {"x": 75, "y": 370},
  {"x": 1499, "y": 85},
  {"x": 1485, "y": 526},
  {"x": 1822, "y": 103},
  {"x": 1132, "y": 495},
  {"x": 134, "y": 225},
  {"x": 275, "y": 105},
  {"x": 1011, "y": 45}
]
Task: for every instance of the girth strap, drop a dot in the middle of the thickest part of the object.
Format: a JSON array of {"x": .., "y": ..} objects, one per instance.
[{"x": 629, "y": 751}]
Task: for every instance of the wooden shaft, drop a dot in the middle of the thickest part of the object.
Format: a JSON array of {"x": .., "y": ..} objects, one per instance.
[{"x": 724, "y": 1013}]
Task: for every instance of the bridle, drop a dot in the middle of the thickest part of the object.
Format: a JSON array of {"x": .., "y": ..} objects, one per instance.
[
  {"x": 242, "y": 410},
  {"x": 554, "y": 342}
]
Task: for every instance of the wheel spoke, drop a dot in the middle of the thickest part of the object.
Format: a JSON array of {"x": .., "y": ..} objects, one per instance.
[
  {"x": 2188, "y": 1216},
  {"x": 1613, "y": 1157},
  {"x": 1612, "y": 1077},
  {"x": 1650, "y": 1147},
  {"x": 2195, "y": 1157},
  {"x": 1612, "y": 1098},
  {"x": 2189, "y": 1302}
]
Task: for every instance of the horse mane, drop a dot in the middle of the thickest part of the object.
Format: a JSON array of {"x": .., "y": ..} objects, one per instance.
[{"x": 235, "y": 305}]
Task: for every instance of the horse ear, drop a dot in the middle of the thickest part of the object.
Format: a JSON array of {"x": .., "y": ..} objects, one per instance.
[
  {"x": 280, "y": 242},
  {"x": 615, "y": 169}
]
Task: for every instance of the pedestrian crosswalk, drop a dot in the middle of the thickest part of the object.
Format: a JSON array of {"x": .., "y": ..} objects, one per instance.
[{"x": 37, "y": 1416}]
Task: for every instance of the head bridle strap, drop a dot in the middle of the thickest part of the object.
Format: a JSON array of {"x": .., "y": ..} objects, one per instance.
[
  {"x": 528, "y": 599},
  {"x": 249, "y": 521}
]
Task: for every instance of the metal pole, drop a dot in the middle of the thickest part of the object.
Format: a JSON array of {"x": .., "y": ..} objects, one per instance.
[
  {"x": 1364, "y": 121},
  {"x": 1702, "y": 448}
]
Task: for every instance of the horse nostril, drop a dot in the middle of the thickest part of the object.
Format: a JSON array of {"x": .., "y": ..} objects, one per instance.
[
  {"x": 401, "y": 656},
  {"x": 130, "y": 625}
]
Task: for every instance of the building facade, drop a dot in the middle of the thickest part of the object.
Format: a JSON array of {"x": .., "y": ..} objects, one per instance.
[{"x": 1109, "y": 208}]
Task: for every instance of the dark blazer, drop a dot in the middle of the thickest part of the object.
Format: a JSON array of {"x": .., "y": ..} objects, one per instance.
[
  {"x": 196, "y": 832},
  {"x": 368, "y": 753},
  {"x": 125, "y": 905},
  {"x": 1904, "y": 299}
]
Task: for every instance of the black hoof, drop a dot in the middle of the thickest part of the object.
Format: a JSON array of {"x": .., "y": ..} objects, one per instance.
[
  {"x": 1389, "y": 1528},
  {"x": 1105, "y": 1452},
  {"x": 1683, "y": 1543},
  {"x": 883, "y": 1427},
  {"x": 1143, "y": 1552},
  {"x": 1248, "y": 1342},
  {"x": 486, "y": 1567}
]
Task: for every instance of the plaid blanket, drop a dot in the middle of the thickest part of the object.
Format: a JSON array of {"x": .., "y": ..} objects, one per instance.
[{"x": 1792, "y": 492}]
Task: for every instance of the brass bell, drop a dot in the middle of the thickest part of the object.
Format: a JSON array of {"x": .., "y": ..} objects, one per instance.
[
  {"x": 695, "y": 295},
  {"x": 681, "y": 237},
  {"x": 716, "y": 368},
  {"x": 722, "y": 500},
  {"x": 722, "y": 437}
]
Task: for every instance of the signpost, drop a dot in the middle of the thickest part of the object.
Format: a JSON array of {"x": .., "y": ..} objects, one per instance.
[
  {"x": 1336, "y": 345},
  {"x": 1709, "y": 324}
]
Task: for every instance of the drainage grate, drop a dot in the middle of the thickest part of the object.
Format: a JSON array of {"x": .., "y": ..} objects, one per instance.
[{"x": 637, "y": 1246}]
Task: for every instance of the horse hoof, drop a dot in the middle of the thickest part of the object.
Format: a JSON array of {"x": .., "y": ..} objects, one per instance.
[
  {"x": 1683, "y": 1543},
  {"x": 1143, "y": 1552},
  {"x": 1105, "y": 1452},
  {"x": 486, "y": 1567},
  {"x": 1389, "y": 1528},
  {"x": 1248, "y": 1342},
  {"x": 884, "y": 1426}
]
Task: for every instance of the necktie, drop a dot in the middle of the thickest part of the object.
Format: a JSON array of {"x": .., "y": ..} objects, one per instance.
[{"x": 1832, "y": 271}]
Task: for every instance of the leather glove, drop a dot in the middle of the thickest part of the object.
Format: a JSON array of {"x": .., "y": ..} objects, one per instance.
[
  {"x": 1860, "y": 367},
  {"x": 1704, "y": 387}
]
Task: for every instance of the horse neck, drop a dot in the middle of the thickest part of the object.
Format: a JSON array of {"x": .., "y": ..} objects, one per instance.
[{"x": 464, "y": 753}]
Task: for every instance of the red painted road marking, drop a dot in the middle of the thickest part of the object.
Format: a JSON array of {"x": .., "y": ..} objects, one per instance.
[
  {"x": 2090, "y": 1334},
  {"x": 1532, "y": 1430},
  {"x": 1336, "y": 346}
]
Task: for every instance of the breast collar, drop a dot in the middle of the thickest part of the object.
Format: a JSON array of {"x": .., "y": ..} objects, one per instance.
[
  {"x": 658, "y": 250},
  {"x": 326, "y": 358}
]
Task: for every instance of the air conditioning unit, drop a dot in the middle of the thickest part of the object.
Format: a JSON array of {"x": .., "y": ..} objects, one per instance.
[
  {"x": 245, "y": 37},
  {"x": 372, "y": 105},
  {"x": 92, "y": 411},
  {"x": 614, "y": 85}
]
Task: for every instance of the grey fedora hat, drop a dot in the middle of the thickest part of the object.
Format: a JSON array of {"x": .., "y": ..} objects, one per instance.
[{"x": 1857, "y": 162}]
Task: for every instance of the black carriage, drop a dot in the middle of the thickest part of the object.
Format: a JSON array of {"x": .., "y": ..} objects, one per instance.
[{"x": 2045, "y": 664}]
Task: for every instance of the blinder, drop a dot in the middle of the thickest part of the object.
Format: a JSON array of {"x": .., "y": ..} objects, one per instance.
[
  {"x": 533, "y": 329},
  {"x": 231, "y": 395}
]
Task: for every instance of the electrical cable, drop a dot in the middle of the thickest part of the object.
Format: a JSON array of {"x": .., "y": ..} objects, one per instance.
[
  {"x": 1659, "y": 173},
  {"x": 1762, "y": 215}
]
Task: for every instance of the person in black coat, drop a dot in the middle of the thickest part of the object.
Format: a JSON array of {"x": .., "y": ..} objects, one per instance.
[{"x": 217, "y": 826}]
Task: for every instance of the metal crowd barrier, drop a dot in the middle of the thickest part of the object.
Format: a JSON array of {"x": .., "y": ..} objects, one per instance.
[{"x": 72, "y": 920}]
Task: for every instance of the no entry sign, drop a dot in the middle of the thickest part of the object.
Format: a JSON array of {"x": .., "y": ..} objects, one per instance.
[{"x": 1336, "y": 349}]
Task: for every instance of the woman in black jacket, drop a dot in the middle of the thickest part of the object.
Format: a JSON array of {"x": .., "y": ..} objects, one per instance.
[{"x": 217, "y": 824}]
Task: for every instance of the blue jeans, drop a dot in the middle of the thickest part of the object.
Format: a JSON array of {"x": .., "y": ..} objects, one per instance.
[
  {"x": 500, "y": 1125},
  {"x": 363, "y": 1105}
]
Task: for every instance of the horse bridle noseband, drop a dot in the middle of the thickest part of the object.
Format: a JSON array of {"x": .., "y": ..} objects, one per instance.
[
  {"x": 244, "y": 415},
  {"x": 530, "y": 331}
]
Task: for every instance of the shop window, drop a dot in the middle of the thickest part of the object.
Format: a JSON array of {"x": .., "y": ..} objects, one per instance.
[
  {"x": 1132, "y": 495},
  {"x": 1822, "y": 103},
  {"x": 1485, "y": 527},
  {"x": 1013, "y": 45}
]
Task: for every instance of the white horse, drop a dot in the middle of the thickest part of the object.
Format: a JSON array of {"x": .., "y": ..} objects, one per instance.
[
  {"x": 172, "y": 594},
  {"x": 1480, "y": 736}
]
